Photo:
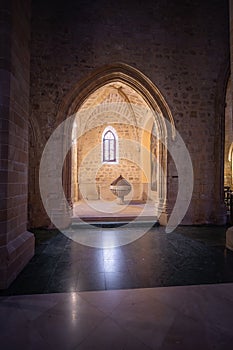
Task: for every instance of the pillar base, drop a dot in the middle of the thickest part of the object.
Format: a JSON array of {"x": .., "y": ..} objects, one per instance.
[
  {"x": 163, "y": 219},
  {"x": 14, "y": 257}
]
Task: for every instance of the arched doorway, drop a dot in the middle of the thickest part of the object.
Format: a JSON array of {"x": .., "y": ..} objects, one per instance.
[
  {"x": 113, "y": 133},
  {"x": 119, "y": 97}
]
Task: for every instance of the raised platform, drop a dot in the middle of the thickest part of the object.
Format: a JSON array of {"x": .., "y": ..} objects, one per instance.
[{"x": 110, "y": 214}]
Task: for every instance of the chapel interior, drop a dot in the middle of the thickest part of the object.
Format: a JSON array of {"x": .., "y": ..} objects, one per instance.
[{"x": 116, "y": 174}]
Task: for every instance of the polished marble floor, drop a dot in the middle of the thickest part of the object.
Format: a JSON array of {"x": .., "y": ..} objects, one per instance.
[
  {"x": 188, "y": 256},
  {"x": 71, "y": 296},
  {"x": 171, "y": 318}
]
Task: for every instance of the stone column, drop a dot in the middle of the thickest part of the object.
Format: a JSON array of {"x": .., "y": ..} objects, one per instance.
[{"x": 16, "y": 244}]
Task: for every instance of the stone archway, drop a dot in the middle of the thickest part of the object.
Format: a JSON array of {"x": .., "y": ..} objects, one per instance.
[{"x": 92, "y": 91}]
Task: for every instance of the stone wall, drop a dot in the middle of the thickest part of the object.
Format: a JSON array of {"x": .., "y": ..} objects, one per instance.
[
  {"x": 95, "y": 177},
  {"x": 16, "y": 244},
  {"x": 182, "y": 47}
]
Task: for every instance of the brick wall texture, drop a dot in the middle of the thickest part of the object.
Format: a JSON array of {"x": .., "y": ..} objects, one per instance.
[{"x": 16, "y": 244}]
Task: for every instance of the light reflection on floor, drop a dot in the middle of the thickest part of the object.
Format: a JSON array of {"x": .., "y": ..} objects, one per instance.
[{"x": 190, "y": 317}]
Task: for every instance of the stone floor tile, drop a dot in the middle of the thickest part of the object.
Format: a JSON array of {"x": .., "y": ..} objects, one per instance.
[
  {"x": 91, "y": 281},
  {"x": 105, "y": 301},
  {"x": 184, "y": 257},
  {"x": 109, "y": 335}
]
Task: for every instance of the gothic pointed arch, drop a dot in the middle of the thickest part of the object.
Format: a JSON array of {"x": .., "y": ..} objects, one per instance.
[
  {"x": 159, "y": 111},
  {"x": 115, "y": 72}
]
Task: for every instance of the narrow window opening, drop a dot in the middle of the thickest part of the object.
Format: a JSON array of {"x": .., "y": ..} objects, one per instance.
[{"x": 109, "y": 146}]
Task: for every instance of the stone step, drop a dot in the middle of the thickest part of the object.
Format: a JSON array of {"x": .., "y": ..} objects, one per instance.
[{"x": 109, "y": 222}]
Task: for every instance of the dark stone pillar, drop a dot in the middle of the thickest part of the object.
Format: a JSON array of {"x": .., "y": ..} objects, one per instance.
[{"x": 16, "y": 244}]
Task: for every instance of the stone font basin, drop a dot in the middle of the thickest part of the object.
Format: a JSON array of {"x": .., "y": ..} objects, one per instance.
[{"x": 120, "y": 188}]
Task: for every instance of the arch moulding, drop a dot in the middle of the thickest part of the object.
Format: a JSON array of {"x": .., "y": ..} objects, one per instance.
[
  {"x": 110, "y": 73},
  {"x": 119, "y": 72}
]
